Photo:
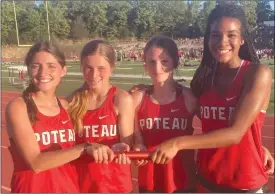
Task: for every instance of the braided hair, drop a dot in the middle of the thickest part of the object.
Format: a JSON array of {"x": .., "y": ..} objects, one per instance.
[{"x": 203, "y": 74}]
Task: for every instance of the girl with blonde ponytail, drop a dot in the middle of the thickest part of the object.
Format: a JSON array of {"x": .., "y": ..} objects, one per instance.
[{"x": 102, "y": 115}]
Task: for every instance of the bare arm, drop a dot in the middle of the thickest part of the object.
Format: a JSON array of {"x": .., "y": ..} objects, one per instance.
[
  {"x": 124, "y": 105},
  {"x": 138, "y": 139},
  {"x": 137, "y": 99},
  {"x": 20, "y": 130},
  {"x": 191, "y": 102},
  {"x": 254, "y": 98}
]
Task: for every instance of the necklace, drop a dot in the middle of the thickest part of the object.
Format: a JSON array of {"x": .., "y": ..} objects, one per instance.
[{"x": 213, "y": 77}]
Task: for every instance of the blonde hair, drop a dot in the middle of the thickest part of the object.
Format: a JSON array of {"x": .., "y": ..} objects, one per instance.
[{"x": 80, "y": 98}]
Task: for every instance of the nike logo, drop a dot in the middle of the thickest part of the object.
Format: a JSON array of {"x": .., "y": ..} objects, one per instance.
[
  {"x": 103, "y": 117},
  {"x": 228, "y": 99},
  {"x": 64, "y": 122},
  {"x": 174, "y": 110}
]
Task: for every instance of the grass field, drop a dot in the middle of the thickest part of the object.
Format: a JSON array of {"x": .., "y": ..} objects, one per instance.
[{"x": 74, "y": 78}]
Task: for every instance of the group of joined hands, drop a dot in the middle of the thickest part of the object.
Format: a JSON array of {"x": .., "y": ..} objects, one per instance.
[{"x": 118, "y": 152}]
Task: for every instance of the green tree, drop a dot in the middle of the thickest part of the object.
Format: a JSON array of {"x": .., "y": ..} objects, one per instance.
[
  {"x": 249, "y": 8},
  {"x": 193, "y": 10},
  {"x": 59, "y": 25},
  {"x": 95, "y": 17},
  {"x": 32, "y": 27},
  {"x": 78, "y": 29},
  {"x": 142, "y": 18},
  {"x": 117, "y": 13},
  {"x": 250, "y": 12},
  {"x": 192, "y": 28},
  {"x": 74, "y": 12},
  {"x": 204, "y": 13},
  {"x": 28, "y": 22},
  {"x": 8, "y": 33},
  {"x": 170, "y": 17}
]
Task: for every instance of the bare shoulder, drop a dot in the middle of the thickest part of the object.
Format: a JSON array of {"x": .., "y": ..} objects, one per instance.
[
  {"x": 260, "y": 73},
  {"x": 122, "y": 96},
  {"x": 138, "y": 96},
  {"x": 16, "y": 105},
  {"x": 16, "y": 112},
  {"x": 191, "y": 101},
  {"x": 64, "y": 103},
  {"x": 264, "y": 70},
  {"x": 187, "y": 93}
]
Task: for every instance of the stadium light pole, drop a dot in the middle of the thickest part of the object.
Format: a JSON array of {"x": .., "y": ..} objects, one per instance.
[
  {"x": 16, "y": 27},
  {"x": 48, "y": 20}
]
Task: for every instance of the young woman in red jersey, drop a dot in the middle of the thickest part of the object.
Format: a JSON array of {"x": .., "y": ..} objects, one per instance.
[
  {"x": 163, "y": 111},
  {"x": 40, "y": 131},
  {"x": 234, "y": 91},
  {"x": 103, "y": 115}
]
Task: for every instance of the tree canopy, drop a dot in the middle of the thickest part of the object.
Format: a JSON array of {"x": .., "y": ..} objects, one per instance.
[{"x": 116, "y": 19}]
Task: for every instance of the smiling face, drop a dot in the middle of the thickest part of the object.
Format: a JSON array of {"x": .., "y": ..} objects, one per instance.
[
  {"x": 225, "y": 40},
  {"x": 96, "y": 71},
  {"x": 45, "y": 71},
  {"x": 159, "y": 64}
]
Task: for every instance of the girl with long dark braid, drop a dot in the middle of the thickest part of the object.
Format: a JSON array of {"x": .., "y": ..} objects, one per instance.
[{"x": 233, "y": 89}]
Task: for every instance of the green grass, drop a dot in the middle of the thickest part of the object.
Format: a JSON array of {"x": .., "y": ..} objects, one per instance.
[
  {"x": 69, "y": 83},
  {"x": 133, "y": 67}
]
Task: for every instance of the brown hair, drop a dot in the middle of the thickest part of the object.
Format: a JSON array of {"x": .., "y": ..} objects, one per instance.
[
  {"x": 166, "y": 43},
  {"x": 40, "y": 46},
  {"x": 79, "y": 103}
]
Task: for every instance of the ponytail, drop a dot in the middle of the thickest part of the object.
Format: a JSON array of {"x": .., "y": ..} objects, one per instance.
[
  {"x": 31, "y": 107},
  {"x": 78, "y": 107}
]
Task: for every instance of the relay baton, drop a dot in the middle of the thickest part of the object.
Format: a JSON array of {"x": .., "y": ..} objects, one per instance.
[{"x": 135, "y": 155}]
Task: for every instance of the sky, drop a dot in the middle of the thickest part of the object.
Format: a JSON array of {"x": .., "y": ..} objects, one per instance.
[{"x": 271, "y": 3}]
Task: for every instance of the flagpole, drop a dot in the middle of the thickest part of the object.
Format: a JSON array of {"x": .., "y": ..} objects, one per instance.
[
  {"x": 48, "y": 20},
  {"x": 16, "y": 27}
]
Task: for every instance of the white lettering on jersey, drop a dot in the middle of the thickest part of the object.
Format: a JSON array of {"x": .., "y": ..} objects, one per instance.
[
  {"x": 37, "y": 136},
  {"x": 149, "y": 123},
  {"x": 71, "y": 135},
  {"x": 93, "y": 131},
  {"x": 113, "y": 130},
  {"x": 62, "y": 136},
  {"x": 176, "y": 124},
  {"x": 46, "y": 138},
  {"x": 216, "y": 113},
  {"x": 221, "y": 113},
  {"x": 104, "y": 131},
  {"x": 163, "y": 123},
  {"x": 206, "y": 112},
  {"x": 157, "y": 121},
  {"x": 55, "y": 136}
]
